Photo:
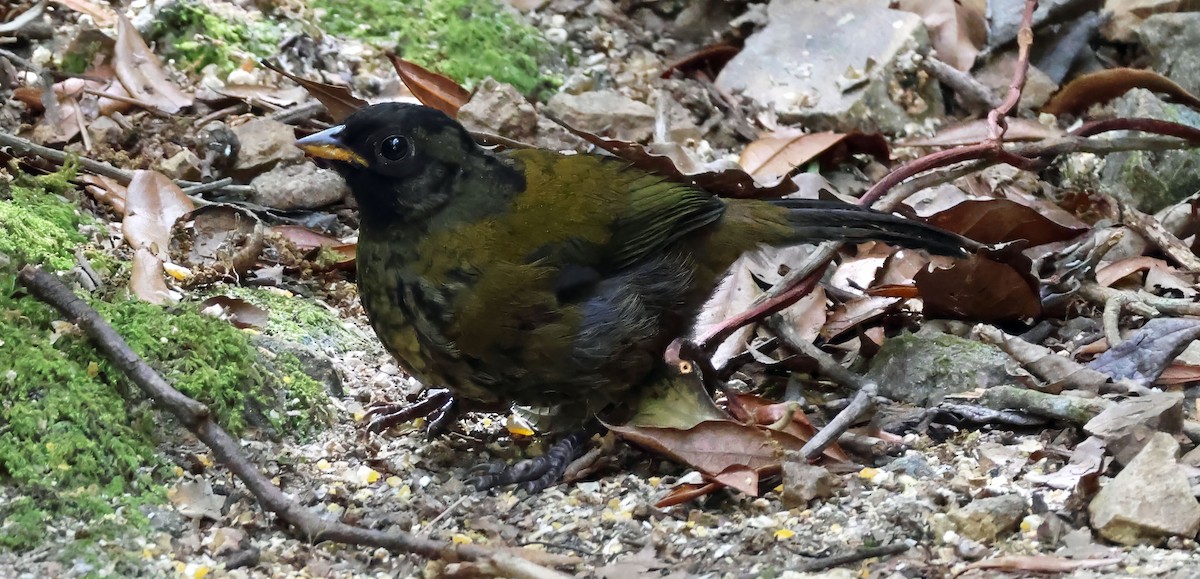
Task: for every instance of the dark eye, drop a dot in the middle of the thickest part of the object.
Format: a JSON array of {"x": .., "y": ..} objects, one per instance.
[{"x": 394, "y": 148}]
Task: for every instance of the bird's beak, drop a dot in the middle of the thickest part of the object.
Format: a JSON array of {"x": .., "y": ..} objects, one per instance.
[{"x": 327, "y": 144}]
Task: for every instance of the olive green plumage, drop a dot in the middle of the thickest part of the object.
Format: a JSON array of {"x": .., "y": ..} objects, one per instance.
[{"x": 544, "y": 279}]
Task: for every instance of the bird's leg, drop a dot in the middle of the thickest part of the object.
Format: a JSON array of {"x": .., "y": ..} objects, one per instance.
[
  {"x": 439, "y": 405},
  {"x": 534, "y": 474}
]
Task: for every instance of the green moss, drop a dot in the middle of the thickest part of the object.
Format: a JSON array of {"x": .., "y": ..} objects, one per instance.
[
  {"x": 304, "y": 321},
  {"x": 192, "y": 33},
  {"x": 467, "y": 40},
  {"x": 37, "y": 224}
]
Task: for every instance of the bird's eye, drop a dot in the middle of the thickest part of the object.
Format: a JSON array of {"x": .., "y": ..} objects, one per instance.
[{"x": 394, "y": 148}]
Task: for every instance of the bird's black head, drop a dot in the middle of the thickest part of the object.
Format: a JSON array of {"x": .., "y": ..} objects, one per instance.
[{"x": 402, "y": 161}]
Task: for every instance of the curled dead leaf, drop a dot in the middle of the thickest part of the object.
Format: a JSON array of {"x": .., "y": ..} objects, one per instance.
[
  {"x": 217, "y": 241},
  {"x": 141, "y": 72}
]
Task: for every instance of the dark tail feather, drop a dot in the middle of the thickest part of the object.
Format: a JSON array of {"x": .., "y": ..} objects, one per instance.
[{"x": 816, "y": 220}]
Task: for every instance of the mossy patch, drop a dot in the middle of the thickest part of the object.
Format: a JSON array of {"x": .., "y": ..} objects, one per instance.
[
  {"x": 77, "y": 441},
  {"x": 467, "y": 40},
  {"x": 38, "y": 224},
  {"x": 302, "y": 320},
  {"x": 194, "y": 34}
]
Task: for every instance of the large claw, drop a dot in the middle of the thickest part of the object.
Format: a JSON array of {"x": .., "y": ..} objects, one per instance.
[
  {"x": 439, "y": 405},
  {"x": 535, "y": 474}
]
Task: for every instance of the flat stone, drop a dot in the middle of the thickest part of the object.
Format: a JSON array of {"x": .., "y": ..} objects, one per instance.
[
  {"x": 923, "y": 368},
  {"x": 264, "y": 144},
  {"x": 303, "y": 186},
  {"x": 1152, "y": 180},
  {"x": 1170, "y": 40},
  {"x": 605, "y": 112},
  {"x": 182, "y": 165},
  {"x": 803, "y": 482},
  {"x": 1148, "y": 501},
  {"x": 986, "y": 519},
  {"x": 1126, "y": 426},
  {"x": 852, "y": 64},
  {"x": 501, "y": 109}
]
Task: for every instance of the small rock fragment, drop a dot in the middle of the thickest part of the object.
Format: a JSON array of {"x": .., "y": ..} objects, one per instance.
[
  {"x": 303, "y": 186},
  {"x": 182, "y": 165},
  {"x": 803, "y": 482},
  {"x": 605, "y": 112},
  {"x": 986, "y": 519},
  {"x": 264, "y": 144},
  {"x": 104, "y": 130},
  {"x": 1126, "y": 426},
  {"x": 1148, "y": 501},
  {"x": 501, "y": 109}
]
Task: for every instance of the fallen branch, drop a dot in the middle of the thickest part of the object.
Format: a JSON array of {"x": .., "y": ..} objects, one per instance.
[
  {"x": 26, "y": 147},
  {"x": 197, "y": 418}
]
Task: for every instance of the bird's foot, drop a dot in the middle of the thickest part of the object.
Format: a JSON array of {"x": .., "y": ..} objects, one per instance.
[
  {"x": 535, "y": 474},
  {"x": 439, "y": 405}
]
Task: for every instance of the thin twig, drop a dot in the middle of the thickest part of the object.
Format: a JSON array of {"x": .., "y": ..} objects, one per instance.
[
  {"x": 130, "y": 101},
  {"x": 963, "y": 83},
  {"x": 196, "y": 418},
  {"x": 26, "y": 147},
  {"x": 859, "y": 555},
  {"x": 862, "y": 403}
]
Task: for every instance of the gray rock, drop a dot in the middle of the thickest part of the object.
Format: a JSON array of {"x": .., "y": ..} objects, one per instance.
[
  {"x": 303, "y": 186},
  {"x": 853, "y": 64},
  {"x": 104, "y": 130},
  {"x": 803, "y": 482},
  {"x": 264, "y": 144},
  {"x": 1152, "y": 180},
  {"x": 182, "y": 165},
  {"x": 1170, "y": 40},
  {"x": 316, "y": 365},
  {"x": 1126, "y": 426},
  {"x": 985, "y": 520},
  {"x": 501, "y": 109},
  {"x": 606, "y": 112},
  {"x": 1148, "y": 501},
  {"x": 923, "y": 368}
]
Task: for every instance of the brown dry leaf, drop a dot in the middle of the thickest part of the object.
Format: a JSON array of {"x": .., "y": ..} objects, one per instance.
[
  {"x": 957, "y": 28},
  {"x": 153, "y": 203},
  {"x": 857, "y": 312},
  {"x": 725, "y": 183},
  {"x": 1127, "y": 15},
  {"x": 278, "y": 96},
  {"x": 61, "y": 126},
  {"x": 303, "y": 237},
  {"x": 716, "y": 447},
  {"x": 1087, "y": 463},
  {"x": 432, "y": 89},
  {"x": 1108, "y": 274},
  {"x": 338, "y": 100},
  {"x": 103, "y": 16},
  {"x": 782, "y": 153},
  {"x": 306, "y": 239},
  {"x": 978, "y": 289},
  {"x": 735, "y": 295},
  {"x": 217, "y": 241},
  {"x": 1002, "y": 220},
  {"x": 1101, "y": 87},
  {"x": 687, "y": 492},
  {"x": 141, "y": 72},
  {"x": 106, "y": 190},
  {"x": 1040, "y": 564},
  {"x": 237, "y": 311},
  {"x": 757, "y": 410},
  {"x": 146, "y": 279},
  {"x": 1178, "y": 373},
  {"x": 708, "y": 60},
  {"x": 976, "y": 131}
]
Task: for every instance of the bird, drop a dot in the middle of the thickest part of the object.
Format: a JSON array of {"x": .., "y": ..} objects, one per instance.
[{"x": 544, "y": 279}]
